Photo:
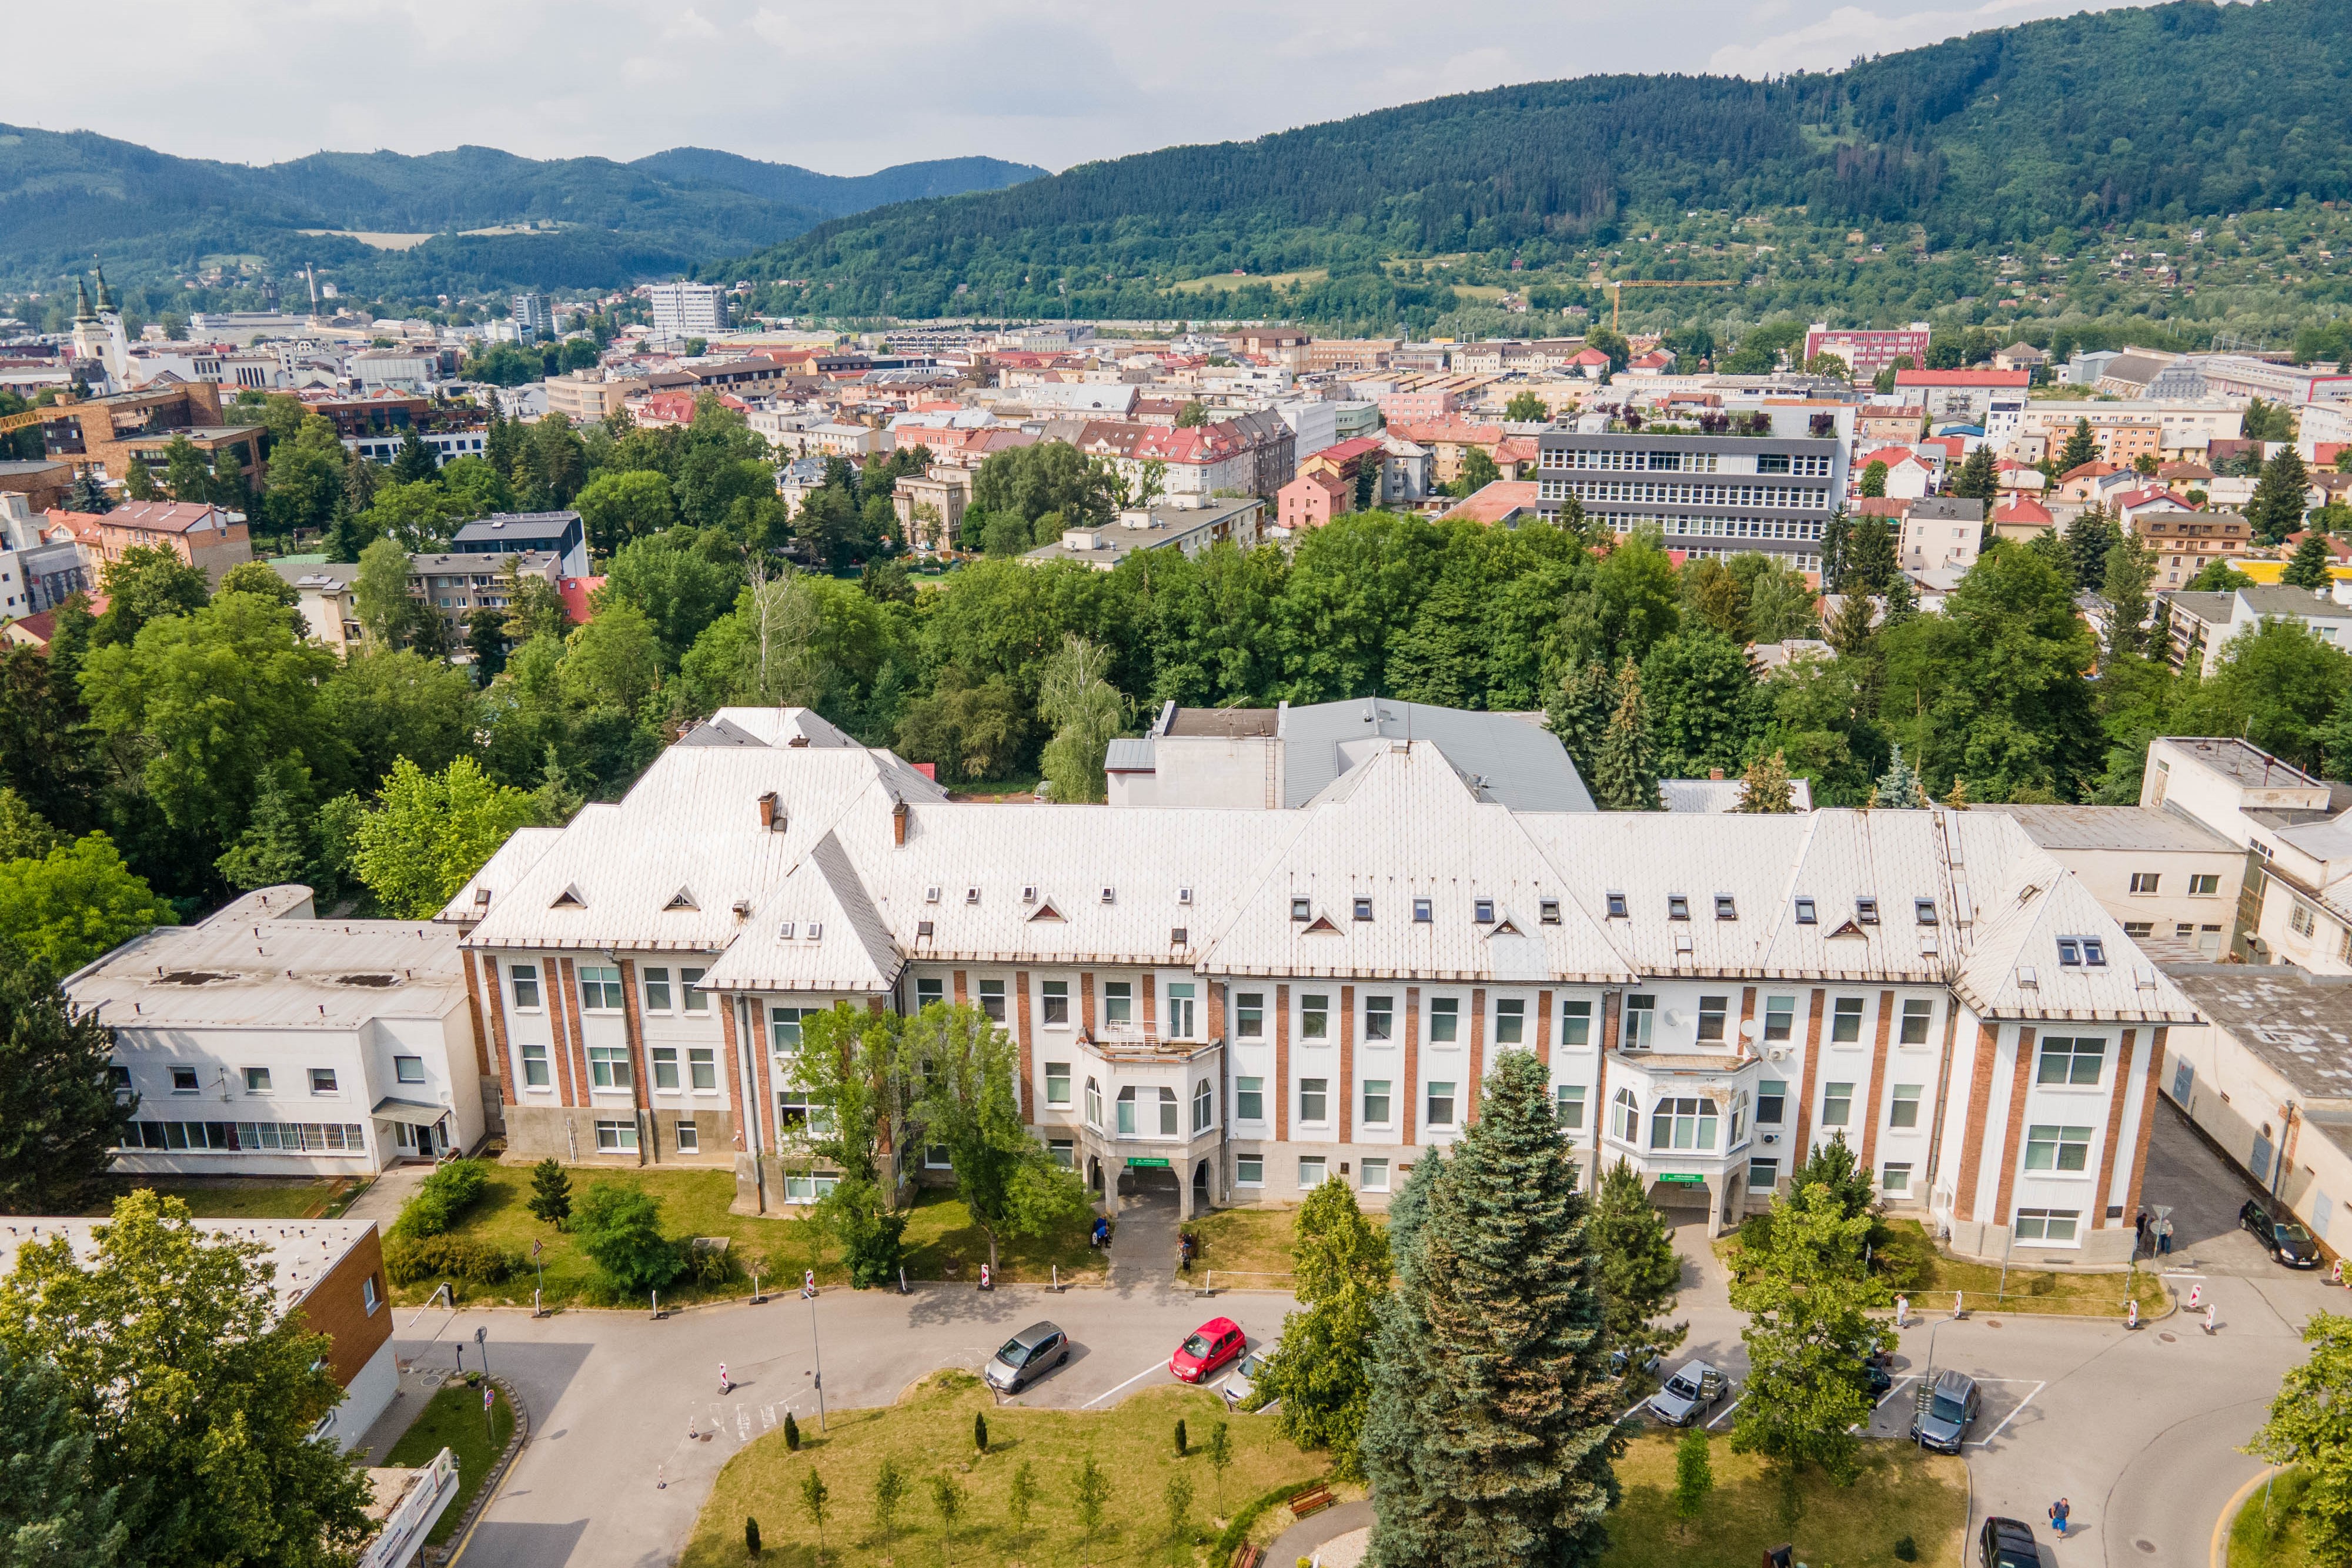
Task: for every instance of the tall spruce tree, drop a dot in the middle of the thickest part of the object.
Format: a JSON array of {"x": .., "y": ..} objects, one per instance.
[
  {"x": 1579, "y": 713},
  {"x": 2130, "y": 568},
  {"x": 1900, "y": 787},
  {"x": 1640, "y": 1270},
  {"x": 2307, "y": 568},
  {"x": 2089, "y": 537},
  {"x": 2280, "y": 496},
  {"x": 2080, "y": 448},
  {"x": 1492, "y": 1434},
  {"x": 1625, "y": 773}
]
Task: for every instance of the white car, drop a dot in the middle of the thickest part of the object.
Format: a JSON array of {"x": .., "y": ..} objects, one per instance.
[
  {"x": 1692, "y": 1390},
  {"x": 1243, "y": 1382}
]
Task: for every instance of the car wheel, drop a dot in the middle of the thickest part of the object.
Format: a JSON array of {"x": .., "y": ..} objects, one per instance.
[{"x": 1065, "y": 1361}]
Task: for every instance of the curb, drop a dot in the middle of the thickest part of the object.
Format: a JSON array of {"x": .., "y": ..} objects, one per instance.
[
  {"x": 2218, "y": 1554},
  {"x": 493, "y": 1484}
]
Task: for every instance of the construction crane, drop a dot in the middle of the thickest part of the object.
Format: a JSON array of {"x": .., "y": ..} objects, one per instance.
[
  {"x": 1617, "y": 294},
  {"x": 58, "y": 410}
]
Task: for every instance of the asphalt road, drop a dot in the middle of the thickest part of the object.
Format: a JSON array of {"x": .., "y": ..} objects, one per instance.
[{"x": 2139, "y": 1430}]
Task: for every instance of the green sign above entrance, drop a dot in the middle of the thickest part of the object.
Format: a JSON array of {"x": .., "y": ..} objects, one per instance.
[
  {"x": 1162, "y": 1165},
  {"x": 1681, "y": 1178}
]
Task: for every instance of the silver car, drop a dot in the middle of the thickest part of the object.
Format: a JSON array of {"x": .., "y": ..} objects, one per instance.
[
  {"x": 1026, "y": 1357},
  {"x": 1690, "y": 1392},
  {"x": 1243, "y": 1382}
]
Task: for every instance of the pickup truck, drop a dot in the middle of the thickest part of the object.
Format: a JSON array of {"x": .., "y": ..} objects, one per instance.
[{"x": 1692, "y": 1389}]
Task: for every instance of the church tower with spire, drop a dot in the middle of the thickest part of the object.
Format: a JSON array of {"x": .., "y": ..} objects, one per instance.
[{"x": 98, "y": 330}]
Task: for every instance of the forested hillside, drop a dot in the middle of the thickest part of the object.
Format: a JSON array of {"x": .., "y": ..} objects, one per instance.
[{"x": 1989, "y": 143}]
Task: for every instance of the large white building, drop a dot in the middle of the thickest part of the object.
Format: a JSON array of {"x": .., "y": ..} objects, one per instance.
[
  {"x": 1251, "y": 1000},
  {"x": 2296, "y": 830},
  {"x": 689, "y": 311}
]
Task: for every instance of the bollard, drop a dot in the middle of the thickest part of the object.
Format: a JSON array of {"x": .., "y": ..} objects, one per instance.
[
  {"x": 536, "y": 1309},
  {"x": 656, "y": 1306},
  {"x": 904, "y": 1288},
  {"x": 2131, "y": 1315},
  {"x": 1057, "y": 1279},
  {"x": 986, "y": 1282}
]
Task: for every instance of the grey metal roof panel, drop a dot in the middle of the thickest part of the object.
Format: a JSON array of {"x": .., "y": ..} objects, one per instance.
[
  {"x": 1514, "y": 759},
  {"x": 2113, "y": 828},
  {"x": 1129, "y": 754}
]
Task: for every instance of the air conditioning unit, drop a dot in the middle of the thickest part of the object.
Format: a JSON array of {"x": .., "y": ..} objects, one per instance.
[{"x": 1771, "y": 1137}]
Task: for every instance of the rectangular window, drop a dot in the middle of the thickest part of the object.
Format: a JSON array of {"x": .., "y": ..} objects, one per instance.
[
  {"x": 1918, "y": 1013},
  {"x": 1094, "y": 1103},
  {"x": 1711, "y": 1011},
  {"x": 2057, "y": 1148},
  {"x": 257, "y": 1080},
  {"x": 1249, "y": 1170},
  {"x": 534, "y": 1065},
  {"x": 1057, "y": 1083},
  {"x": 1894, "y": 1181},
  {"x": 665, "y": 1060},
  {"x": 1641, "y": 1018},
  {"x": 702, "y": 1068},
  {"x": 1616, "y": 906},
  {"x": 322, "y": 1080},
  {"x": 1249, "y": 1015},
  {"x": 2204, "y": 884},
  {"x": 1124, "y": 1107},
  {"x": 1180, "y": 1020},
  {"x": 2143, "y": 880},
  {"x": 1363, "y": 908},
  {"x": 1444, "y": 1020},
  {"x": 408, "y": 1069},
  {"x": 1423, "y": 912},
  {"x": 785, "y": 1031},
  {"x": 1685, "y": 1123},
  {"x": 992, "y": 1000},
  {"x": 657, "y": 990},
  {"x": 1771, "y": 1100},
  {"x": 614, "y": 1137},
  {"x": 1310, "y": 1172},
  {"x": 1375, "y": 1173},
  {"x": 1380, "y": 1015},
  {"x": 1056, "y": 1000},
  {"x": 688, "y": 983},
  {"x": 689, "y": 1140},
  {"x": 608, "y": 1066},
  {"x": 1763, "y": 1175},
  {"x": 1376, "y": 1102},
  {"x": 1510, "y": 1022},
  {"x": 1845, "y": 1021},
  {"x": 184, "y": 1081},
  {"x": 1837, "y": 1105},
  {"x": 1249, "y": 1099},
  {"x": 1313, "y": 1017},
  {"x": 1064, "y": 1152},
  {"x": 2074, "y": 1061},
  {"x": 1118, "y": 1003},
  {"x": 1806, "y": 916},
  {"x": 2051, "y": 1225},
  {"x": 1313, "y": 1099},
  {"x": 1567, "y": 1105},
  {"x": 1440, "y": 1105},
  {"x": 524, "y": 977},
  {"x": 936, "y": 1157},
  {"x": 930, "y": 991},
  {"x": 368, "y": 1297},
  {"x": 1903, "y": 1111},
  {"x": 600, "y": 990},
  {"x": 1575, "y": 1024},
  {"x": 1168, "y": 1112},
  {"x": 1780, "y": 1016},
  {"x": 1482, "y": 910}
]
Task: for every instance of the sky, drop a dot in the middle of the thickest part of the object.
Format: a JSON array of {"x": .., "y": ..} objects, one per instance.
[{"x": 849, "y": 88}]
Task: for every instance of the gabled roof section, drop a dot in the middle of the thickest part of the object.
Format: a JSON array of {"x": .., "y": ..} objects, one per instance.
[
  {"x": 2021, "y": 937},
  {"x": 570, "y": 898},
  {"x": 501, "y": 871},
  {"x": 838, "y": 941},
  {"x": 682, "y": 899}
]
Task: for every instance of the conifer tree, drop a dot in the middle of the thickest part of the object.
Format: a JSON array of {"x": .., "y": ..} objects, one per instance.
[
  {"x": 1640, "y": 1270},
  {"x": 1579, "y": 713},
  {"x": 1900, "y": 603},
  {"x": 1764, "y": 787},
  {"x": 2130, "y": 568},
  {"x": 1492, "y": 1433},
  {"x": 138, "y": 479},
  {"x": 2307, "y": 568},
  {"x": 1625, "y": 773},
  {"x": 2080, "y": 448},
  {"x": 1852, "y": 628},
  {"x": 1899, "y": 788},
  {"x": 2280, "y": 496}
]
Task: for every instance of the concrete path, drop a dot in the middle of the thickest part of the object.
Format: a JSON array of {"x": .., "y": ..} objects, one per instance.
[
  {"x": 1301, "y": 1539},
  {"x": 392, "y": 1188}
]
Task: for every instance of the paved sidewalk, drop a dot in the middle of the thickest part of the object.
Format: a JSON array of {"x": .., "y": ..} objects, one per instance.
[
  {"x": 1301, "y": 1539},
  {"x": 382, "y": 1202}
]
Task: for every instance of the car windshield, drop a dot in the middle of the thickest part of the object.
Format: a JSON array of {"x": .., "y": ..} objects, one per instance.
[
  {"x": 1248, "y": 1368},
  {"x": 1944, "y": 1407},
  {"x": 1680, "y": 1384},
  {"x": 1197, "y": 1345},
  {"x": 2290, "y": 1233},
  {"x": 1014, "y": 1354}
]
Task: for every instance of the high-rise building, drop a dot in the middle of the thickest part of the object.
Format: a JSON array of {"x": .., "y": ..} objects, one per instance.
[
  {"x": 534, "y": 318},
  {"x": 1707, "y": 495},
  {"x": 688, "y": 309}
]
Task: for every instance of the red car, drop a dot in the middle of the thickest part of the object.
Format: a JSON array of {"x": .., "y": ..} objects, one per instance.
[{"x": 1213, "y": 1344}]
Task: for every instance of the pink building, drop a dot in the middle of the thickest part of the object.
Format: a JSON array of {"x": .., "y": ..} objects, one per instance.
[
  {"x": 1311, "y": 500},
  {"x": 1416, "y": 407},
  {"x": 1868, "y": 352}
]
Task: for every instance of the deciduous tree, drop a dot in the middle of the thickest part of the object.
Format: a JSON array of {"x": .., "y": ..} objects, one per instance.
[
  {"x": 966, "y": 1102},
  {"x": 75, "y": 904},
  {"x": 431, "y": 832},
  {"x": 1322, "y": 1372}
]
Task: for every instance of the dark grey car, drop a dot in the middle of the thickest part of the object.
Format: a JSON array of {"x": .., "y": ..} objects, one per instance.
[
  {"x": 1943, "y": 1421},
  {"x": 1026, "y": 1357}
]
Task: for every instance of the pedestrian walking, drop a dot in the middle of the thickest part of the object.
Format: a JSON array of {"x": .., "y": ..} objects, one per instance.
[
  {"x": 2139, "y": 1225},
  {"x": 1902, "y": 1311},
  {"x": 724, "y": 1386},
  {"x": 2059, "y": 1512}
]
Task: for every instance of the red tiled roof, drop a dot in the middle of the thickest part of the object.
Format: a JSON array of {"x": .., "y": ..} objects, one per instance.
[
  {"x": 2094, "y": 469},
  {"x": 1494, "y": 502},
  {"x": 142, "y": 517},
  {"x": 2340, "y": 549},
  {"x": 2022, "y": 509},
  {"x": 576, "y": 592},
  {"x": 1891, "y": 456},
  {"x": 1346, "y": 451}
]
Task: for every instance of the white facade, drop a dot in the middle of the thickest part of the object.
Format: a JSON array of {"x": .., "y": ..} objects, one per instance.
[
  {"x": 2298, "y": 829},
  {"x": 266, "y": 1042},
  {"x": 689, "y": 311}
]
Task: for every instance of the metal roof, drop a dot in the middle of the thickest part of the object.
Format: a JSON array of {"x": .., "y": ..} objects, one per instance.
[
  {"x": 2115, "y": 827},
  {"x": 1509, "y": 758}
]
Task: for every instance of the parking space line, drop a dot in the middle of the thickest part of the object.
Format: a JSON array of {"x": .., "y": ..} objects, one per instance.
[
  {"x": 1906, "y": 1377},
  {"x": 2022, "y": 1403},
  {"x": 1633, "y": 1409},
  {"x": 1128, "y": 1383},
  {"x": 1728, "y": 1409}
]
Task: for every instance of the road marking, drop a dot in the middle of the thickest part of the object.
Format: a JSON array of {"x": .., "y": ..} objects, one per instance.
[
  {"x": 766, "y": 1417},
  {"x": 2022, "y": 1403},
  {"x": 2181, "y": 1274},
  {"x": 743, "y": 1424},
  {"x": 1908, "y": 1377},
  {"x": 1728, "y": 1409},
  {"x": 1630, "y": 1412},
  {"x": 1128, "y": 1383}
]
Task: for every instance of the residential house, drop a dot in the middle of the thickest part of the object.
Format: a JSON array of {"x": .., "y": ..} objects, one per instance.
[
  {"x": 1189, "y": 528},
  {"x": 1311, "y": 500},
  {"x": 1940, "y": 533},
  {"x": 199, "y": 533},
  {"x": 2022, "y": 518},
  {"x": 1909, "y": 476},
  {"x": 1408, "y": 473},
  {"x": 1450, "y": 442},
  {"x": 2020, "y": 356},
  {"x": 930, "y": 506},
  {"x": 2183, "y": 541},
  {"x": 42, "y": 562},
  {"x": 1897, "y": 422},
  {"x": 559, "y": 534},
  {"x": 1500, "y": 503},
  {"x": 2204, "y": 625}
]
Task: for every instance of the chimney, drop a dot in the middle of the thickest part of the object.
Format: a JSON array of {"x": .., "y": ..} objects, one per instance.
[
  {"x": 898, "y": 815},
  {"x": 768, "y": 811},
  {"x": 1715, "y": 773}
]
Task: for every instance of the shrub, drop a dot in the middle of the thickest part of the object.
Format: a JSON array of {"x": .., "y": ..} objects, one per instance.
[
  {"x": 410, "y": 1258},
  {"x": 709, "y": 1267},
  {"x": 792, "y": 1434},
  {"x": 452, "y": 1189},
  {"x": 1906, "y": 1550},
  {"x": 619, "y": 1229}
]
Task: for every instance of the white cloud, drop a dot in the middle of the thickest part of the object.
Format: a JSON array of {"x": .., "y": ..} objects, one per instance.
[{"x": 1850, "y": 32}]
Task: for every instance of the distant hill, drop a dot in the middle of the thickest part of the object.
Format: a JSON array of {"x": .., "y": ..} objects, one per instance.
[
  {"x": 64, "y": 196},
  {"x": 1986, "y": 142},
  {"x": 835, "y": 195}
]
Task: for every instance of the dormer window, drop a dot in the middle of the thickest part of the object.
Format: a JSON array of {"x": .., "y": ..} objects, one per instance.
[
  {"x": 1184, "y": 896},
  {"x": 784, "y": 932},
  {"x": 1806, "y": 915},
  {"x": 1866, "y": 911},
  {"x": 1725, "y": 909},
  {"x": 1483, "y": 911},
  {"x": 1302, "y": 909},
  {"x": 1110, "y": 895},
  {"x": 1548, "y": 911},
  {"x": 1924, "y": 911},
  {"x": 1616, "y": 907},
  {"x": 1363, "y": 909},
  {"x": 923, "y": 929},
  {"x": 2081, "y": 953},
  {"x": 1677, "y": 906},
  {"x": 816, "y": 931},
  {"x": 931, "y": 894},
  {"x": 1423, "y": 912},
  {"x": 972, "y": 895}
]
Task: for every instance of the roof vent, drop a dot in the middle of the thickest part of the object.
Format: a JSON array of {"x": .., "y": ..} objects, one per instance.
[
  {"x": 771, "y": 813},
  {"x": 1029, "y": 893},
  {"x": 1046, "y": 911},
  {"x": 1184, "y": 896},
  {"x": 972, "y": 895},
  {"x": 682, "y": 899},
  {"x": 2144, "y": 975},
  {"x": 1110, "y": 895},
  {"x": 742, "y": 909},
  {"x": 570, "y": 898},
  {"x": 932, "y": 893}
]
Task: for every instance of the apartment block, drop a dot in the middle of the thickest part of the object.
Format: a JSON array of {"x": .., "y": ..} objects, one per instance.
[
  {"x": 1708, "y": 495},
  {"x": 1865, "y": 350},
  {"x": 2296, "y": 830}
]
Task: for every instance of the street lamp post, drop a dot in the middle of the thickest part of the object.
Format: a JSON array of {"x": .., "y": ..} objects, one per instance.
[{"x": 816, "y": 1353}]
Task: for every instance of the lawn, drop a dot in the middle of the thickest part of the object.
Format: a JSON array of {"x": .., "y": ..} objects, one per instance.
[
  {"x": 1902, "y": 1491},
  {"x": 928, "y": 1435},
  {"x": 452, "y": 1419},
  {"x": 239, "y": 1197},
  {"x": 1220, "y": 282},
  {"x": 1929, "y": 1277},
  {"x": 943, "y": 1242},
  {"x": 1250, "y": 1248},
  {"x": 2268, "y": 1531}
]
